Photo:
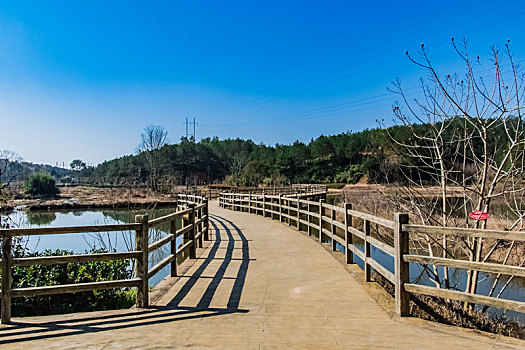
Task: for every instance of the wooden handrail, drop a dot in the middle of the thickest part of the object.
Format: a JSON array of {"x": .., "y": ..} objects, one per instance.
[
  {"x": 466, "y": 232},
  {"x": 40, "y": 231},
  {"x": 289, "y": 210},
  {"x": 193, "y": 208}
]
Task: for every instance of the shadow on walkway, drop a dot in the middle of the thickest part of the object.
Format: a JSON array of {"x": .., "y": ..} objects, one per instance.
[{"x": 21, "y": 331}]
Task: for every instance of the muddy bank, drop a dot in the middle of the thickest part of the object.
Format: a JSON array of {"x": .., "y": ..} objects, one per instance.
[{"x": 93, "y": 198}]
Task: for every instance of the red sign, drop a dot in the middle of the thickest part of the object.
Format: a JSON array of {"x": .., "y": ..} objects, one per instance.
[{"x": 478, "y": 215}]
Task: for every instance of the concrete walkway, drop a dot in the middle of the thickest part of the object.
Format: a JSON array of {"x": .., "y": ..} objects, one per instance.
[{"x": 259, "y": 285}]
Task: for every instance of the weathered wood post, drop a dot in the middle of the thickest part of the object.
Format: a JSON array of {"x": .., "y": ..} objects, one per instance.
[
  {"x": 280, "y": 207},
  {"x": 240, "y": 202},
  {"x": 207, "y": 220},
  {"x": 141, "y": 245},
  {"x": 298, "y": 214},
  {"x": 173, "y": 247},
  {"x": 348, "y": 235},
  {"x": 402, "y": 275},
  {"x": 199, "y": 226},
  {"x": 367, "y": 269},
  {"x": 192, "y": 232},
  {"x": 264, "y": 205},
  {"x": 308, "y": 219},
  {"x": 321, "y": 202},
  {"x": 7, "y": 262},
  {"x": 333, "y": 229},
  {"x": 289, "y": 204}
]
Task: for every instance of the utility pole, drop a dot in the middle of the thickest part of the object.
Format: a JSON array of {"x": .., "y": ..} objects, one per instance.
[{"x": 188, "y": 134}]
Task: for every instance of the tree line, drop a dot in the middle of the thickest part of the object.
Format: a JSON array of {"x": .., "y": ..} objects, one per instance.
[
  {"x": 341, "y": 158},
  {"x": 345, "y": 157}
]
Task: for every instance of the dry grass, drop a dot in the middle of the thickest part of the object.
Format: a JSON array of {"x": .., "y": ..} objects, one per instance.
[
  {"x": 94, "y": 197},
  {"x": 452, "y": 313}
]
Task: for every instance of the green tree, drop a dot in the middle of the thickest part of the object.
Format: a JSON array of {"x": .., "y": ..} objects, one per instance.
[
  {"x": 40, "y": 184},
  {"x": 77, "y": 164}
]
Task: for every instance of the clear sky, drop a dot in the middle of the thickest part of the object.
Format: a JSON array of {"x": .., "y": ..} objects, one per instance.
[{"x": 82, "y": 79}]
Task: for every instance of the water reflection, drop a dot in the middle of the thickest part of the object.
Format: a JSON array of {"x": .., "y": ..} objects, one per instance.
[
  {"x": 41, "y": 218},
  {"x": 120, "y": 241}
]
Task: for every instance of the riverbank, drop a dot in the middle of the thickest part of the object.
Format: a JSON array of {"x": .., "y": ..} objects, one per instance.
[{"x": 83, "y": 197}]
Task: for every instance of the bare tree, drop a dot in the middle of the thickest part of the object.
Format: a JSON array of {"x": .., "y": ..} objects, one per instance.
[
  {"x": 153, "y": 138},
  {"x": 9, "y": 170},
  {"x": 465, "y": 151}
]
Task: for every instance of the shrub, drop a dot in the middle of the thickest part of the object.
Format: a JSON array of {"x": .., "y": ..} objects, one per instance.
[
  {"x": 40, "y": 184},
  {"x": 352, "y": 174},
  {"x": 49, "y": 275}
]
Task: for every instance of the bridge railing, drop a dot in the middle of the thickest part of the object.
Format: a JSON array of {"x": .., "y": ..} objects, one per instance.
[
  {"x": 351, "y": 229},
  {"x": 191, "y": 212}
]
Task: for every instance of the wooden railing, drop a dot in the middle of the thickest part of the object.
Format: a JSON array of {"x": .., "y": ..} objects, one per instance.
[
  {"x": 192, "y": 212},
  {"x": 337, "y": 225},
  {"x": 295, "y": 189}
]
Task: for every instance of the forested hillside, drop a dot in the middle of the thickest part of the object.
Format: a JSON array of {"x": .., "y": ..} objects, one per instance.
[
  {"x": 345, "y": 157},
  {"x": 339, "y": 158}
]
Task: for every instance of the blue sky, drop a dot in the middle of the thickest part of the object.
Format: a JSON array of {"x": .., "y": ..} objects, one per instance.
[{"x": 82, "y": 79}]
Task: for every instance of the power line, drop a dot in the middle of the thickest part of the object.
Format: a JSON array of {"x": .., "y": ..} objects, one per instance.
[
  {"x": 270, "y": 99},
  {"x": 324, "y": 111},
  {"x": 188, "y": 132}
]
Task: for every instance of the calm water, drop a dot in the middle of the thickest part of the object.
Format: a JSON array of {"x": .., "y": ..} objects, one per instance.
[
  {"x": 124, "y": 241},
  {"x": 121, "y": 241},
  {"x": 514, "y": 291}
]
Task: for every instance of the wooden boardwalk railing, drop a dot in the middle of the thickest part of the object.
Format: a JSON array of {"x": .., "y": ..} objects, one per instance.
[
  {"x": 192, "y": 211},
  {"x": 322, "y": 220}
]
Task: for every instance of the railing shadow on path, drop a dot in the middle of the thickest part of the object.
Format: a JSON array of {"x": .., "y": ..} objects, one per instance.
[{"x": 23, "y": 331}]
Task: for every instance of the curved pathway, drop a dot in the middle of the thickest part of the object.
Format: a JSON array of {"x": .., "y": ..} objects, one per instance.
[{"x": 258, "y": 285}]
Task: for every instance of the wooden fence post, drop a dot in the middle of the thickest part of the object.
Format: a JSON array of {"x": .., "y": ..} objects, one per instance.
[
  {"x": 402, "y": 275},
  {"x": 298, "y": 214},
  {"x": 309, "y": 219},
  {"x": 7, "y": 262},
  {"x": 173, "y": 247},
  {"x": 250, "y": 203},
  {"x": 193, "y": 232},
  {"x": 321, "y": 202},
  {"x": 280, "y": 207},
  {"x": 199, "y": 226},
  {"x": 264, "y": 205},
  {"x": 289, "y": 203},
  {"x": 366, "y": 230},
  {"x": 333, "y": 229},
  {"x": 141, "y": 244},
  {"x": 348, "y": 235},
  {"x": 207, "y": 220}
]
